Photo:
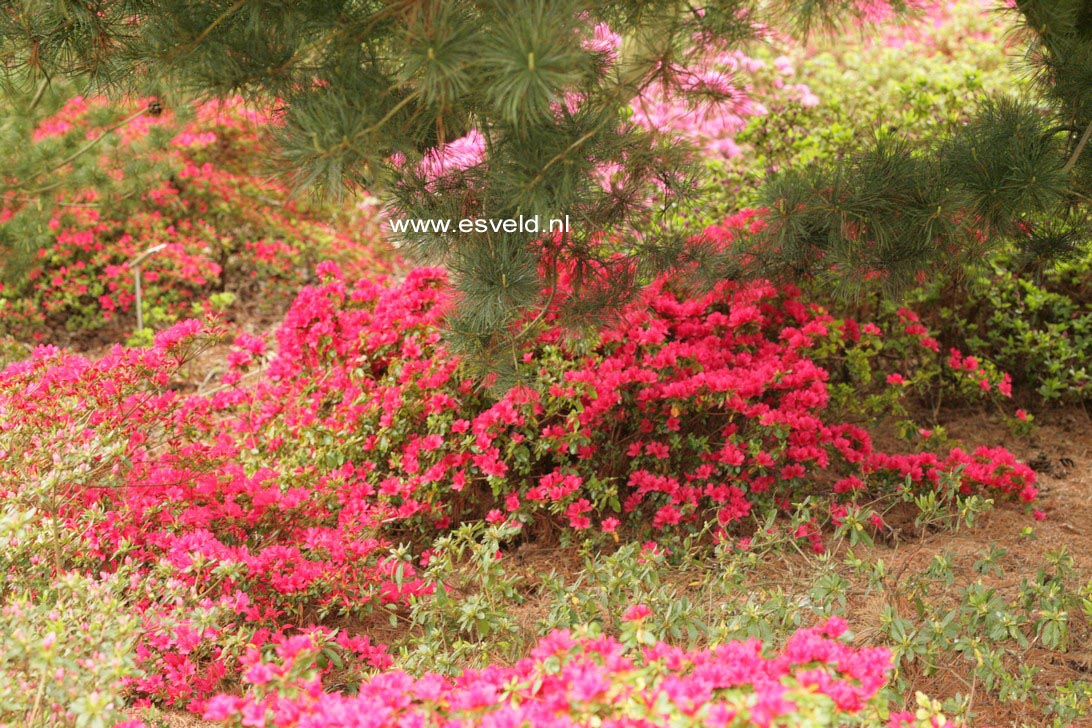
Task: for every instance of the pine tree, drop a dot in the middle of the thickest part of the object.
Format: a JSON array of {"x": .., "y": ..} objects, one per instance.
[
  {"x": 1017, "y": 176},
  {"x": 368, "y": 91}
]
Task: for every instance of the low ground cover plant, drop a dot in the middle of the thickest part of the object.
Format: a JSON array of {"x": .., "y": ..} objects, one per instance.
[{"x": 569, "y": 680}]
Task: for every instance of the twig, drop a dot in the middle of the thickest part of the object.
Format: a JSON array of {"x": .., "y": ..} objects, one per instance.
[
  {"x": 387, "y": 117},
  {"x": 1080, "y": 148},
  {"x": 563, "y": 154},
  {"x": 970, "y": 698},
  {"x": 37, "y": 699},
  {"x": 1059, "y": 129},
  {"x": 39, "y": 94},
  {"x": 140, "y": 258},
  {"x": 211, "y": 27}
]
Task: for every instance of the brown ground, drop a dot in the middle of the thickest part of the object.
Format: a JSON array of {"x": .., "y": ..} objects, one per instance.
[{"x": 1060, "y": 450}]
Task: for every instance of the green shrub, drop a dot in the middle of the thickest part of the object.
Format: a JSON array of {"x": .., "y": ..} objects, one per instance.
[
  {"x": 61, "y": 662},
  {"x": 1035, "y": 325}
]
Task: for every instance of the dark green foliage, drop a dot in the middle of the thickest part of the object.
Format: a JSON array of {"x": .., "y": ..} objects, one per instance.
[
  {"x": 367, "y": 87},
  {"x": 1040, "y": 330},
  {"x": 885, "y": 214},
  {"x": 1006, "y": 160},
  {"x": 1016, "y": 175}
]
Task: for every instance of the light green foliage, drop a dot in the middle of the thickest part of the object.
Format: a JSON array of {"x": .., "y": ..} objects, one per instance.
[
  {"x": 863, "y": 85},
  {"x": 61, "y": 662},
  {"x": 609, "y": 583},
  {"x": 1023, "y": 315},
  {"x": 467, "y": 620}
]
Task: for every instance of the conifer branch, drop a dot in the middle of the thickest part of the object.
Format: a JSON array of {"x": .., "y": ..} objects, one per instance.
[
  {"x": 208, "y": 29},
  {"x": 1080, "y": 148},
  {"x": 79, "y": 153}
]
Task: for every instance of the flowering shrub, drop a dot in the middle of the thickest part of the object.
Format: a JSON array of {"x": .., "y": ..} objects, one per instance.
[
  {"x": 188, "y": 186},
  {"x": 61, "y": 663},
  {"x": 694, "y": 407},
  {"x": 921, "y": 78},
  {"x": 568, "y": 680},
  {"x": 120, "y": 471},
  {"x": 269, "y": 505}
]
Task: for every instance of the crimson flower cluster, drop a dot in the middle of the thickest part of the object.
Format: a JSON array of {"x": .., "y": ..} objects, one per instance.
[{"x": 269, "y": 505}]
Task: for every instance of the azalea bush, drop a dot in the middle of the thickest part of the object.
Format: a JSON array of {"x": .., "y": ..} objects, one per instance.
[
  {"x": 121, "y": 471},
  {"x": 950, "y": 613},
  {"x": 691, "y": 408},
  {"x": 273, "y": 503},
  {"x": 569, "y": 679},
  {"x": 181, "y": 194},
  {"x": 945, "y": 620}
]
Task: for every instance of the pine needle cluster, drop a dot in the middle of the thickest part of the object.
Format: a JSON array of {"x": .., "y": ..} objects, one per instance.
[
  {"x": 1017, "y": 175},
  {"x": 367, "y": 89}
]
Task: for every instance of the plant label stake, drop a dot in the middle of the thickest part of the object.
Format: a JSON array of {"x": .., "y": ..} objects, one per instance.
[{"x": 135, "y": 265}]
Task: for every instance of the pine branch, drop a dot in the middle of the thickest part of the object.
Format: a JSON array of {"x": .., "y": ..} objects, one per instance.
[
  {"x": 74, "y": 156},
  {"x": 1080, "y": 148}
]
